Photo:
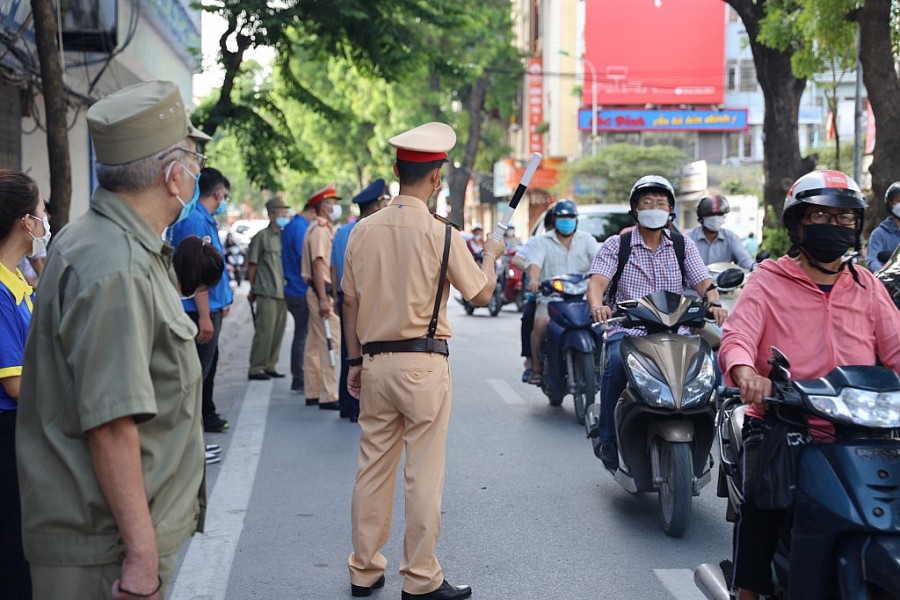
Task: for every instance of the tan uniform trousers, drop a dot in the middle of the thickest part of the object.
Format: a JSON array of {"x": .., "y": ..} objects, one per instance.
[
  {"x": 404, "y": 404},
  {"x": 89, "y": 581},
  {"x": 271, "y": 318},
  {"x": 319, "y": 377}
]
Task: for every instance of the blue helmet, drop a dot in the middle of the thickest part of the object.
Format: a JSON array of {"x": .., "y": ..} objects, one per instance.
[{"x": 565, "y": 208}]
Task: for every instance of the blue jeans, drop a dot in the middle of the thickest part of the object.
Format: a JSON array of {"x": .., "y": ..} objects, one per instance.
[{"x": 611, "y": 387}]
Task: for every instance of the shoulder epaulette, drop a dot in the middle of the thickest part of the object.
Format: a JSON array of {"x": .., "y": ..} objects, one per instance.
[{"x": 446, "y": 221}]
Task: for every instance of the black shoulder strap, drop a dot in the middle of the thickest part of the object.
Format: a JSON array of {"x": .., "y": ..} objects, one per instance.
[
  {"x": 432, "y": 327},
  {"x": 624, "y": 253},
  {"x": 678, "y": 242}
]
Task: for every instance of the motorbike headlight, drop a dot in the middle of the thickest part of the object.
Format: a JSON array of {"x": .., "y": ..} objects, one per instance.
[
  {"x": 699, "y": 388},
  {"x": 570, "y": 288},
  {"x": 654, "y": 391},
  {"x": 861, "y": 407}
]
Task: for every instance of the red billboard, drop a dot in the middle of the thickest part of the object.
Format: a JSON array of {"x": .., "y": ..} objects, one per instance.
[
  {"x": 655, "y": 51},
  {"x": 535, "y": 104}
]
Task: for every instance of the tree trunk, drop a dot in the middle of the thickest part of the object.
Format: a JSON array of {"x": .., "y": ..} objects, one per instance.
[
  {"x": 782, "y": 163},
  {"x": 231, "y": 63},
  {"x": 45, "y": 32},
  {"x": 458, "y": 179},
  {"x": 883, "y": 87}
]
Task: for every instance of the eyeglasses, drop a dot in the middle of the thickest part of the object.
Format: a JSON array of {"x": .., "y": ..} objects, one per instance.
[
  {"x": 651, "y": 203},
  {"x": 820, "y": 217},
  {"x": 200, "y": 158}
]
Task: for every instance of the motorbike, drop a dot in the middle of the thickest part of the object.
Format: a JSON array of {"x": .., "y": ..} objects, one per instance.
[
  {"x": 496, "y": 302},
  {"x": 236, "y": 263},
  {"x": 665, "y": 417},
  {"x": 729, "y": 287},
  {"x": 514, "y": 282},
  {"x": 889, "y": 274},
  {"x": 569, "y": 349},
  {"x": 843, "y": 541}
]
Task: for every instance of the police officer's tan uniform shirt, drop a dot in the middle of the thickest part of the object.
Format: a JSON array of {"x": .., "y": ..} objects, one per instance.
[
  {"x": 109, "y": 339},
  {"x": 317, "y": 243},
  {"x": 265, "y": 253},
  {"x": 392, "y": 267}
]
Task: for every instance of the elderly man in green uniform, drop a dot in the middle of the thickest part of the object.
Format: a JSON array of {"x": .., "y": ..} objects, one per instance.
[
  {"x": 109, "y": 435},
  {"x": 266, "y": 276}
]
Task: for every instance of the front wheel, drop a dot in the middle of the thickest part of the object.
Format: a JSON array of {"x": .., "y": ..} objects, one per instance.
[
  {"x": 585, "y": 383},
  {"x": 676, "y": 490},
  {"x": 470, "y": 308},
  {"x": 495, "y": 303}
]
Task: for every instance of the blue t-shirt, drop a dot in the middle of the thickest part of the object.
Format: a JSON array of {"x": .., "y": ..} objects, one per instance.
[
  {"x": 201, "y": 223},
  {"x": 339, "y": 249},
  {"x": 16, "y": 302},
  {"x": 291, "y": 250}
]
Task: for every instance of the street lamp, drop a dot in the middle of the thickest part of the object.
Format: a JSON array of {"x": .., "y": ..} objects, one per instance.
[{"x": 590, "y": 66}]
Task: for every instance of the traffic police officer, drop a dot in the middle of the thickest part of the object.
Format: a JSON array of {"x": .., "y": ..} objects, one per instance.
[
  {"x": 109, "y": 438},
  {"x": 266, "y": 276},
  {"x": 399, "y": 267},
  {"x": 370, "y": 200},
  {"x": 320, "y": 377}
]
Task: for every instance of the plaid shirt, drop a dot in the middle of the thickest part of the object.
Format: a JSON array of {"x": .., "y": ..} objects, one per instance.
[{"x": 648, "y": 271}]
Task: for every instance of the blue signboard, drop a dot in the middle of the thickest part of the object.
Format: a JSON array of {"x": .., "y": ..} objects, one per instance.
[{"x": 665, "y": 120}]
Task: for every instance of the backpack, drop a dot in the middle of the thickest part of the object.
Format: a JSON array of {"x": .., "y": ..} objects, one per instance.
[{"x": 625, "y": 253}]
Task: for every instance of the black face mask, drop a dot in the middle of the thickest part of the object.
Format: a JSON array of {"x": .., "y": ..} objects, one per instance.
[{"x": 827, "y": 243}]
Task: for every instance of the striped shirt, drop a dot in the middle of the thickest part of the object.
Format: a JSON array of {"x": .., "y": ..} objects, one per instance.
[{"x": 648, "y": 270}]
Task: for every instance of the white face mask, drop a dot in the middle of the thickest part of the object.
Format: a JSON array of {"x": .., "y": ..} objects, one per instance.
[
  {"x": 653, "y": 218},
  {"x": 336, "y": 212},
  {"x": 896, "y": 210},
  {"x": 713, "y": 223},
  {"x": 39, "y": 243}
]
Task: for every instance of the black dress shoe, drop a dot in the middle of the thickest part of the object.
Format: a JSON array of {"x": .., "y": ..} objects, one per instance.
[
  {"x": 274, "y": 374},
  {"x": 445, "y": 592},
  {"x": 259, "y": 376},
  {"x": 609, "y": 454},
  {"x": 312, "y": 401},
  {"x": 359, "y": 591},
  {"x": 329, "y": 406}
]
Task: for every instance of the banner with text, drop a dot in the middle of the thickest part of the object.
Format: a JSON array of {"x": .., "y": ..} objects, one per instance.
[{"x": 665, "y": 120}]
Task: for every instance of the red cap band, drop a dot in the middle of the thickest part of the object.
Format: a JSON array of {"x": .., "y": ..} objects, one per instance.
[{"x": 419, "y": 157}]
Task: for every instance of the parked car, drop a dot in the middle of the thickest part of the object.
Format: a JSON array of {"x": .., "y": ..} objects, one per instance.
[
  {"x": 600, "y": 220},
  {"x": 244, "y": 229}
]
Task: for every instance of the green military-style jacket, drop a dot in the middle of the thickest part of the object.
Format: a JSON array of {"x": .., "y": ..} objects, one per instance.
[{"x": 265, "y": 253}]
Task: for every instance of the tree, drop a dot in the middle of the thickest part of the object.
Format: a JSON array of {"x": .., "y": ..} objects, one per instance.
[
  {"x": 46, "y": 32},
  {"x": 381, "y": 37},
  {"x": 617, "y": 167},
  {"x": 782, "y": 89}
]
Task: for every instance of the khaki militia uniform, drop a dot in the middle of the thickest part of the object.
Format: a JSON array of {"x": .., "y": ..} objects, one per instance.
[
  {"x": 109, "y": 339},
  {"x": 268, "y": 291},
  {"x": 392, "y": 267},
  {"x": 320, "y": 378}
]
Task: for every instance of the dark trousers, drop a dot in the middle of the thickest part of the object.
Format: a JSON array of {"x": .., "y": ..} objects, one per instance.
[
  {"x": 757, "y": 529},
  {"x": 611, "y": 387},
  {"x": 349, "y": 405},
  {"x": 299, "y": 310},
  {"x": 528, "y": 325},
  {"x": 15, "y": 577},
  {"x": 209, "y": 360}
]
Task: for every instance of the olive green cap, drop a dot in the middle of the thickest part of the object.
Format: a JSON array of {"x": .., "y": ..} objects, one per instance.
[
  {"x": 138, "y": 121},
  {"x": 275, "y": 203}
]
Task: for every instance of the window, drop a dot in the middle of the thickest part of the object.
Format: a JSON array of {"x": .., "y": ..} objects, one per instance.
[
  {"x": 731, "y": 75},
  {"x": 747, "y": 76}
]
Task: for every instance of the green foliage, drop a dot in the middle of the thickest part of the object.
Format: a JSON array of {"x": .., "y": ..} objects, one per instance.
[
  {"x": 775, "y": 237},
  {"x": 737, "y": 187},
  {"x": 827, "y": 157},
  {"x": 618, "y": 166}
]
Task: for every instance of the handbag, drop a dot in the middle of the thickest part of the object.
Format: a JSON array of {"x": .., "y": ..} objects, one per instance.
[{"x": 776, "y": 471}]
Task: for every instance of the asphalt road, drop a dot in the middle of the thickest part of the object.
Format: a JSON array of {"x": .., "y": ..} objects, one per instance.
[{"x": 528, "y": 511}]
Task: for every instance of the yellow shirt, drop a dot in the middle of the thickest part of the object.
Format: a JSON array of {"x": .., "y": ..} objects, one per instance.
[
  {"x": 316, "y": 244},
  {"x": 392, "y": 267}
]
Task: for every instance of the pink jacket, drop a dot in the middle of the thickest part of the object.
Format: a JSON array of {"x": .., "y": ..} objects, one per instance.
[{"x": 781, "y": 306}]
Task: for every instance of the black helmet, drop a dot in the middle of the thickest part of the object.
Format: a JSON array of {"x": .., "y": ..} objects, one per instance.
[
  {"x": 712, "y": 205},
  {"x": 565, "y": 208},
  {"x": 652, "y": 182},
  {"x": 891, "y": 193}
]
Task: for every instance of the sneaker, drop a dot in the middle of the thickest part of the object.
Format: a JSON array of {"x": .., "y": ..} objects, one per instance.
[
  {"x": 213, "y": 449},
  {"x": 212, "y": 459},
  {"x": 215, "y": 424}
]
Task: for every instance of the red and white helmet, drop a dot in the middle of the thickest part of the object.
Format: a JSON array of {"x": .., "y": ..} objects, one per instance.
[{"x": 824, "y": 188}]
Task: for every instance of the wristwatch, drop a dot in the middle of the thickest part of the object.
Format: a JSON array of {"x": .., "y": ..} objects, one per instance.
[
  {"x": 355, "y": 362},
  {"x": 716, "y": 303}
]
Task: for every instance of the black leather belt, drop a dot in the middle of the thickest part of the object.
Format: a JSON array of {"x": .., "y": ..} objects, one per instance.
[{"x": 420, "y": 345}]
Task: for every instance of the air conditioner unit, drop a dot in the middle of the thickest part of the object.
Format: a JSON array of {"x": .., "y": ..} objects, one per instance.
[{"x": 89, "y": 25}]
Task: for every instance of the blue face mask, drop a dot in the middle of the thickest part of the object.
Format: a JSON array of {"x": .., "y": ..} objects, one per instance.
[
  {"x": 566, "y": 226},
  {"x": 282, "y": 221},
  {"x": 188, "y": 207},
  {"x": 220, "y": 209}
]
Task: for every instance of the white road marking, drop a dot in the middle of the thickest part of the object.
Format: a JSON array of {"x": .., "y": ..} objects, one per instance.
[
  {"x": 207, "y": 564},
  {"x": 680, "y": 583},
  {"x": 505, "y": 391}
]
